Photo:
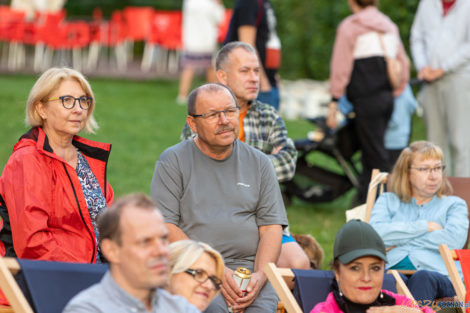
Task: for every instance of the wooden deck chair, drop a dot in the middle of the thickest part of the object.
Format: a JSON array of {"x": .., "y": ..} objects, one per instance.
[
  {"x": 376, "y": 187},
  {"x": 449, "y": 257},
  {"x": 8, "y": 285},
  {"x": 461, "y": 188},
  {"x": 305, "y": 299},
  {"x": 44, "y": 286}
]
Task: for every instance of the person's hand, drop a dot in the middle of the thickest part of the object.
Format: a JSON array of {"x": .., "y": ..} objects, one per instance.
[
  {"x": 229, "y": 288},
  {"x": 389, "y": 248},
  {"x": 331, "y": 120},
  {"x": 257, "y": 281},
  {"x": 432, "y": 226},
  {"x": 423, "y": 73},
  {"x": 430, "y": 74},
  {"x": 277, "y": 149},
  {"x": 435, "y": 73},
  {"x": 392, "y": 309}
]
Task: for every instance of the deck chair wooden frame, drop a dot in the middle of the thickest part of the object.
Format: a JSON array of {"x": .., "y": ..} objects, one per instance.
[
  {"x": 449, "y": 256},
  {"x": 279, "y": 277},
  {"x": 18, "y": 302},
  {"x": 377, "y": 182},
  {"x": 363, "y": 211}
]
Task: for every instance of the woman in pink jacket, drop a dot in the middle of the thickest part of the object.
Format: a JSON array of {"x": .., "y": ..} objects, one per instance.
[
  {"x": 364, "y": 43},
  {"x": 359, "y": 264}
]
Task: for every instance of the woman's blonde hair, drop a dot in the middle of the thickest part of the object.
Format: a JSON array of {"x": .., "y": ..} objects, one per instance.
[
  {"x": 184, "y": 253},
  {"x": 46, "y": 84},
  {"x": 399, "y": 182}
]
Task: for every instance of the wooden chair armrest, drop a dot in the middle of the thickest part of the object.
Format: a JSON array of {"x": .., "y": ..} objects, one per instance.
[
  {"x": 9, "y": 286},
  {"x": 406, "y": 272},
  {"x": 12, "y": 264},
  {"x": 277, "y": 278},
  {"x": 401, "y": 286}
]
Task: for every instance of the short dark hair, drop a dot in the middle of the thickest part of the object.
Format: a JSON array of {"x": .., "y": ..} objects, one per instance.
[
  {"x": 366, "y": 3},
  {"x": 109, "y": 221},
  {"x": 222, "y": 56},
  {"x": 212, "y": 87}
]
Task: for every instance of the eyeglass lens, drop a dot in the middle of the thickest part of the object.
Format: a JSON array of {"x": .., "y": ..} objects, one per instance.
[{"x": 69, "y": 102}]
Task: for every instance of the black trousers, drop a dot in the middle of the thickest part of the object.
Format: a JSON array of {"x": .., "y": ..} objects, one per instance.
[{"x": 373, "y": 113}]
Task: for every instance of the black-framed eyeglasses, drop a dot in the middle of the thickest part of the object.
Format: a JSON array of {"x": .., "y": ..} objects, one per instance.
[
  {"x": 428, "y": 170},
  {"x": 201, "y": 276},
  {"x": 69, "y": 101},
  {"x": 214, "y": 116}
]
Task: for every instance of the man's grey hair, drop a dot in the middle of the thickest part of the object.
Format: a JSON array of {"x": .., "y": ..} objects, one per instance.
[
  {"x": 223, "y": 55},
  {"x": 209, "y": 88}
]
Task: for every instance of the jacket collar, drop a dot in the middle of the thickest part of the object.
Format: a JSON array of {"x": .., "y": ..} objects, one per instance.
[{"x": 96, "y": 150}]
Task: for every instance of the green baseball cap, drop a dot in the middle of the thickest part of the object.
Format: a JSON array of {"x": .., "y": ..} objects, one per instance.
[{"x": 357, "y": 239}]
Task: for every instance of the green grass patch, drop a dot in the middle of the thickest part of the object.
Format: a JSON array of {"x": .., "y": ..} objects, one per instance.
[{"x": 141, "y": 119}]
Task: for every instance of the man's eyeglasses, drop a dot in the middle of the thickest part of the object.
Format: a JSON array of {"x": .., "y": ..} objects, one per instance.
[
  {"x": 213, "y": 116},
  {"x": 428, "y": 170},
  {"x": 201, "y": 276},
  {"x": 69, "y": 102}
]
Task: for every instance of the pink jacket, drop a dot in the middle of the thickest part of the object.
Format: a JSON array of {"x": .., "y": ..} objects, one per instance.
[
  {"x": 369, "y": 19},
  {"x": 330, "y": 305}
]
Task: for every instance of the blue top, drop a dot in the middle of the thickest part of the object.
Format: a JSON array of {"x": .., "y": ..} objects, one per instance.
[
  {"x": 404, "y": 225},
  {"x": 107, "y": 296},
  {"x": 397, "y": 135}
]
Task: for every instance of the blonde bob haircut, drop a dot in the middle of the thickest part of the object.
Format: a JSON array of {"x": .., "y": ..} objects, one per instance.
[
  {"x": 399, "y": 182},
  {"x": 46, "y": 84},
  {"x": 184, "y": 253}
]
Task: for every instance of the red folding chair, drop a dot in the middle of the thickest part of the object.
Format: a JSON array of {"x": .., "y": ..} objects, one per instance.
[
  {"x": 224, "y": 25},
  {"x": 166, "y": 34},
  {"x": 46, "y": 25}
]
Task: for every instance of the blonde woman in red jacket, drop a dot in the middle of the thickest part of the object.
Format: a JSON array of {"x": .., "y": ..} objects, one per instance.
[{"x": 54, "y": 184}]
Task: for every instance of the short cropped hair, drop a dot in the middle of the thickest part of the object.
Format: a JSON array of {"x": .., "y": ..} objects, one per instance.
[
  {"x": 224, "y": 53},
  {"x": 184, "y": 253},
  {"x": 46, "y": 84},
  {"x": 109, "y": 221},
  {"x": 366, "y": 3},
  {"x": 210, "y": 88},
  {"x": 399, "y": 182}
]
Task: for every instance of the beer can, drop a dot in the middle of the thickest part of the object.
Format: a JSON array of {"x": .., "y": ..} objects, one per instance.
[{"x": 241, "y": 276}]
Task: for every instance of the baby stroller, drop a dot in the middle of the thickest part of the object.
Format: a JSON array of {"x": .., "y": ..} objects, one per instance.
[{"x": 313, "y": 183}]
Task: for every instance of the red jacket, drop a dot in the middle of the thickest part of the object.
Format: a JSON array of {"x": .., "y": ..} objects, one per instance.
[{"x": 46, "y": 208}]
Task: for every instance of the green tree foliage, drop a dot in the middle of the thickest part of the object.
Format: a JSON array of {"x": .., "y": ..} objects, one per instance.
[
  {"x": 306, "y": 27},
  {"x": 307, "y": 30}
]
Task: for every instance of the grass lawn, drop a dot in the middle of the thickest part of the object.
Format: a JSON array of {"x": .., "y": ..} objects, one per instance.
[{"x": 141, "y": 119}]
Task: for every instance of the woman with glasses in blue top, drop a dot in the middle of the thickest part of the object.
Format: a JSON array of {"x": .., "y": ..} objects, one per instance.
[
  {"x": 417, "y": 215},
  {"x": 196, "y": 272},
  {"x": 54, "y": 183}
]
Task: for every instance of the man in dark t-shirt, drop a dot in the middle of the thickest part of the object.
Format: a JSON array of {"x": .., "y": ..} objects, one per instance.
[{"x": 254, "y": 22}]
